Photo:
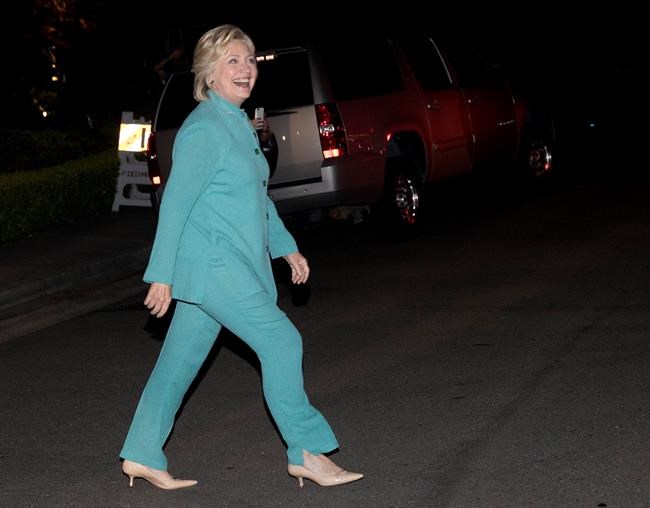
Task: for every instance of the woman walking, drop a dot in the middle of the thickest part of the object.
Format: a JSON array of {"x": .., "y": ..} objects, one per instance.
[{"x": 216, "y": 234}]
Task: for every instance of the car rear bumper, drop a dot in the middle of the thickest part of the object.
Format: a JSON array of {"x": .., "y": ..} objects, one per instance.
[{"x": 348, "y": 182}]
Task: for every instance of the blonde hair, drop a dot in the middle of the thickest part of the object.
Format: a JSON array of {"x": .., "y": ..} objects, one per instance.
[{"x": 211, "y": 47}]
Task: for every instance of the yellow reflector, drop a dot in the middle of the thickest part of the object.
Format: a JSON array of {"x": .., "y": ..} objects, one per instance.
[{"x": 133, "y": 137}]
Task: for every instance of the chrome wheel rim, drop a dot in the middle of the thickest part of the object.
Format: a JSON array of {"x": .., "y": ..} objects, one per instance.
[
  {"x": 540, "y": 160},
  {"x": 407, "y": 199}
]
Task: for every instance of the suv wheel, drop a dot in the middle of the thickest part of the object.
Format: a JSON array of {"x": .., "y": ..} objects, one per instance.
[
  {"x": 406, "y": 197},
  {"x": 539, "y": 160},
  {"x": 402, "y": 198}
]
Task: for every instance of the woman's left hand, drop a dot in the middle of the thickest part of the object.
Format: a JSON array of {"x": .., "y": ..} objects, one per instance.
[{"x": 299, "y": 267}]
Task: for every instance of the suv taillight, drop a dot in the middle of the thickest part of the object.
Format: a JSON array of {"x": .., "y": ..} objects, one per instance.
[
  {"x": 152, "y": 161},
  {"x": 330, "y": 128}
]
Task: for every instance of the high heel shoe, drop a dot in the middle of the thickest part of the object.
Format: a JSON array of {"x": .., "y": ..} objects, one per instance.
[
  {"x": 161, "y": 479},
  {"x": 324, "y": 480}
]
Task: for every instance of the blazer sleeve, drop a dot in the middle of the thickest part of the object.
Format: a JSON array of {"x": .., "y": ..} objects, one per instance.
[
  {"x": 281, "y": 242},
  {"x": 192, "y": 169}
]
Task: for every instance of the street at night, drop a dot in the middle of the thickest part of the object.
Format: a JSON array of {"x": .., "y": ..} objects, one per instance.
[
  {"x": 500, "y": 359},
  {"x": 467, "y": 185}
]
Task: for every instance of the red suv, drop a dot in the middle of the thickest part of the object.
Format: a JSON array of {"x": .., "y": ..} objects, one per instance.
[{"x": 373, "y": 128}]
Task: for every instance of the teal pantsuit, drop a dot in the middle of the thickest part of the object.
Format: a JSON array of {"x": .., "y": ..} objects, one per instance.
[{"x": 216, "y": 234}]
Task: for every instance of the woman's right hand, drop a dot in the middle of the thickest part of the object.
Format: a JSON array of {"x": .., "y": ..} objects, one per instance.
[{"x": 158, "y": 298}]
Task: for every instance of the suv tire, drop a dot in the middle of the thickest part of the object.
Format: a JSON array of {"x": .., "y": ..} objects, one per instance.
[{"x": 402, "y": 200}]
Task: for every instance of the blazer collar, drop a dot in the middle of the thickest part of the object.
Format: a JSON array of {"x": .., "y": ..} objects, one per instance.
[{"x": 224, "y": 105}]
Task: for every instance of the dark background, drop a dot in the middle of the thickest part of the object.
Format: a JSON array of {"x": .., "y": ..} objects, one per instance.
[{"x": 105, "y": 50}]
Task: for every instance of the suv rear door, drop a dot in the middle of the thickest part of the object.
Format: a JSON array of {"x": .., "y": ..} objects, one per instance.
[{"x": 284, "y": 90}]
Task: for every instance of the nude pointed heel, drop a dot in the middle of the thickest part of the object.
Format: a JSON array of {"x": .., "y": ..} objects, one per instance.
[
  {"x": 161, "y": 479},
  {"x": 324, "y": 480}
]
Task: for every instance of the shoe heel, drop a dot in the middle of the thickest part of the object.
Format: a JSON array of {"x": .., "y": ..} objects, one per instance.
[
  {"x": 300, "y": 482},
  {"x": 160, "y": 479},
  {"x": 324, "y": 480}
]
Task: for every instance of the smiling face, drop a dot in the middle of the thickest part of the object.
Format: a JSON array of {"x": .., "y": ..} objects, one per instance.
[{"x": 234, "y": 74}]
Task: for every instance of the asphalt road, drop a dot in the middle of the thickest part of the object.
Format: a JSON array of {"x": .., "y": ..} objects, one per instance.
[{"x": 499, "y": 360}]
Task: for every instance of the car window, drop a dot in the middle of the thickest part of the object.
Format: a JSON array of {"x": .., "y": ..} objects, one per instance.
[
  {"x": 363, "y": 69},
  {"x": 425, "y": 62},
  {"x": 469, "y": 67},
  {"x": 284, "y": 80},
  {"x": 176, "y": 102}
]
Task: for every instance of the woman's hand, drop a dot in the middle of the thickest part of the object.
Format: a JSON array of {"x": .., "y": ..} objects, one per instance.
[
  {"x": 158, "y": 298},
  {"x": 299, "y": 267}
]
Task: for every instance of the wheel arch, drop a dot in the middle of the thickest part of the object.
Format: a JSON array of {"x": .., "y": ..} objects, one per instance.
[{"x": 410, "y": 146}]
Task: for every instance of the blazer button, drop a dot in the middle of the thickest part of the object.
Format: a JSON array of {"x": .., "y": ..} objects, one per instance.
[
  {"x": 267, "y": 216},
  {"x": 263, "y": 183},
  {"x": 257, "y": 151}
]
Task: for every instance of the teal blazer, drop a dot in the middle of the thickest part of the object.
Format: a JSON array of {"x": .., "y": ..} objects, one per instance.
[{"x": 215, "y": 212}]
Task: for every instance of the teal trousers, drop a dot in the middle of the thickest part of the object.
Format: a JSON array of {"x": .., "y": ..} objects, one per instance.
[{"x": 257, "y": 320}]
